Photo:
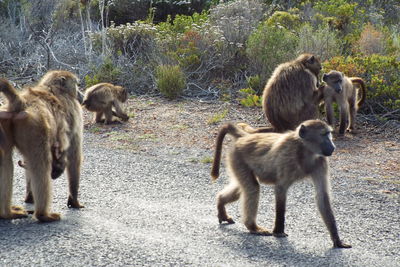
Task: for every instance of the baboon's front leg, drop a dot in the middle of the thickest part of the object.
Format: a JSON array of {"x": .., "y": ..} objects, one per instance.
[
  {"x": 324, "y": 207},
  {"x": 280, "y": 199},
  {"x": 108, "y": 114},
  {"x": 352, "y": 116},
  {"x": 98, "y": 117},
  {"x": 344, "y": 114},
  {"x": 329, "y": 113}
]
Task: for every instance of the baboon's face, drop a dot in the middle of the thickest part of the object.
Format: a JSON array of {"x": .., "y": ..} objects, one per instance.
[
  {"x": 334, "y": 79},
  {"x": 317, "y": 136},
  {"x": 123, "y": 93},
  {"x": 312, "y": 63}
]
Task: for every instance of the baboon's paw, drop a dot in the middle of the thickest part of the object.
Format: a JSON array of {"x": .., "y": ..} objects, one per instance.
[
  {"x": 15, "y": 213},
  {"x": 228, "y": 220},
  {"x": 74, "y": 203},
  {"x": 51, "y": 217},
  {"x": 258, "y": 230},
  {"x": 339, "y": 244},
  {"x": 17, "y": 208},
  {"x": 225, "y": 218},
  {"x": 280, "y": 235}
]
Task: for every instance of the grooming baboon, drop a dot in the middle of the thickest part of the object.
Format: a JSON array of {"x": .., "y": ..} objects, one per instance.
[
  {"x": 342, "y": 90},
  {"x": 102, "y": 97},
  {"x": 291, "y": 95},
  {"x": 279, "y": 159},
  {"x": 52, "y": 128}
]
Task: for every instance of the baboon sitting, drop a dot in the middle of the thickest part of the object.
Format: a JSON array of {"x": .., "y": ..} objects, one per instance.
[
  {"x": 291, "y": 95},
  {"x": 102, "y": 98},
  {"x": 279, "y": 159},
  {"x": 342, "y": 90},
  {"x": 53, "y": 121}
]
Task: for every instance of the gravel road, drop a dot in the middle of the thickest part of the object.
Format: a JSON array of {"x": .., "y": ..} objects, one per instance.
[{"x": 157, "y": 208}]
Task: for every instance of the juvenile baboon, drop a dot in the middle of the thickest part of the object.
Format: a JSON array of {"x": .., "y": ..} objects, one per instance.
[
  {"x": 342, "y": 90},
  {"x": 102, "y": 97},
  {"x": 52, "y": 128},
  {"x": 291, "y": 95},
  {"x": 279, "y": 159}
]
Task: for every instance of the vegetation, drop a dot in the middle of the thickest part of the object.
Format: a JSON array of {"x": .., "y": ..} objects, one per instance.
[{"x": 203, "y": 48}]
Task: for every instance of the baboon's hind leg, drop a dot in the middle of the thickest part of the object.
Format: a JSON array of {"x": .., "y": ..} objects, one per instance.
[
  {"x": 73, "y": 173},
  {"x": 229, "y": 194}
]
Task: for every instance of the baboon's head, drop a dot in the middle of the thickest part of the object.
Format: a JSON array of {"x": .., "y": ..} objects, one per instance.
[
  {"x": 317, "y": 137},
  {"x": 62, "y": 82},
  {"x": 334, "y": 79},
  {"x": 310, "y": 62},
  {"x": 122, "y": 93}
]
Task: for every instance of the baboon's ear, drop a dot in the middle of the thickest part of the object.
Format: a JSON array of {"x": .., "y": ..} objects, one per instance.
[
  {"x": 325, "y": 77},
  {"x": 302, "y": 131},
  {"x": 311, "y": 59}
]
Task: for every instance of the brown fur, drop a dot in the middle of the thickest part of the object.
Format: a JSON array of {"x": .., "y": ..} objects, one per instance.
[
  {"x": 342, "y": 90},
  {"x": 291, "y": 95},
  {"x": 102, "y": 97},
  {"x": 279, "y": 159},
  {"x": 54, "y": 122}
]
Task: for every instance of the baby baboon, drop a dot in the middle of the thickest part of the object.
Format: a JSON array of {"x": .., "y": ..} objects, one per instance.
[
  {"x": 102, "y": 97},
  {"x": 342, "y": 90},
  {"x": 279, "y": 159},
  {"x": 291, "y": 95},
  {"x": 52, "y": 128}
]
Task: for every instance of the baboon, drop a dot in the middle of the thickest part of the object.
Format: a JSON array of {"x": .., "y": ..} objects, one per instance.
[
  {"x": 280, "y": 159},
  {"x": 342, "y": 90},
  {"x": 291, "y": 95},
  {"x": 52, "y": 128},
  {"x": 102, "y": 97}
]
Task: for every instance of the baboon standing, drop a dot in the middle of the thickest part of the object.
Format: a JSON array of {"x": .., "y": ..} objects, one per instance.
[
  {"x": 291, "y": 95},
  {"x": 342, "y": 90},
  {"x": 279, "y": 159},
  {"x": 53, "y": 121},
  {"x": 102, "y": 98}
]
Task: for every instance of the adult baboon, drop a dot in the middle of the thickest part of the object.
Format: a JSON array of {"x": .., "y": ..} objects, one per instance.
[
  {"x": 291, "y": 95},
  {"x": 342, "y": 90},
  {"x": 102, "y": 97},
  {"x": 53, "y": 125},
  {"x": 279, "y": 159}
]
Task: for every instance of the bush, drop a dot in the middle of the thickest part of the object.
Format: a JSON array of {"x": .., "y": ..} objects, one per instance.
[
  {"x": 284, "y": 19},
  {"x": 371, "y": 41},
  {"x": 267, "y": 47},
  {"x": 322, "y": 42},
  {"x": 170, "y": 80},
  {"x": 382, "y": 77},
  {"x": 107, "y": 72}
]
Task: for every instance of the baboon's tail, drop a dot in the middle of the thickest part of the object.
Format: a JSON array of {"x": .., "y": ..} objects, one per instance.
[
  {"x": 361, "y": 82},
  {"x": 16, "y": 103},
  {"x": 226, "y": 129}
]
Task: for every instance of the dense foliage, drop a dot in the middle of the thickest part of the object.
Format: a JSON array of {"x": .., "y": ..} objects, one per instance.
[{"x": 226, "y": 50}]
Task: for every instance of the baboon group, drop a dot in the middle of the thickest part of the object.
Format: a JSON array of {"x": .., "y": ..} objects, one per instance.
[{"x": 44, "y": 123}]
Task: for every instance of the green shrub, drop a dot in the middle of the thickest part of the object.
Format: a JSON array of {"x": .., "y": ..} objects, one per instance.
[
  {"x": 267, "y": 47},
  {"x": 284, "y": 19},
  {"x": 249, "y": 98},
  {"x": 170, "y": 80},
  {"x": 107, "y": 72},
  {"x": 382, "y": 77}
]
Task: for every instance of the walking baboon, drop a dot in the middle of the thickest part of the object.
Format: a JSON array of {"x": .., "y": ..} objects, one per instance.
[
  {"x": 279, "y": 159},
  {"x": 53, "y": 126},
  {"x": 291, "y": 95},
  {"x": 102, "y": 97},
  {"x": 342, "y": 90}
]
